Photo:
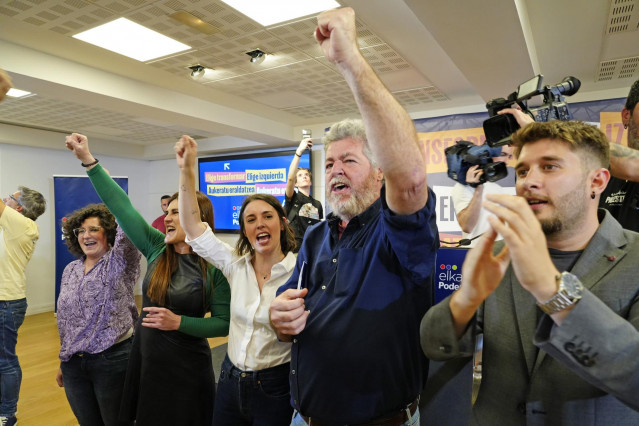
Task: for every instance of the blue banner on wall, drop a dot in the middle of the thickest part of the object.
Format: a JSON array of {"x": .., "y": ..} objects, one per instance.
[
  {"x": 71, "y": 193},
  {"x": 582, "y": 111}
]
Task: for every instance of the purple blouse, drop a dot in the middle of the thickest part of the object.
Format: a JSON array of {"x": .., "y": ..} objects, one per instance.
[{"x": 96, "y": 309}]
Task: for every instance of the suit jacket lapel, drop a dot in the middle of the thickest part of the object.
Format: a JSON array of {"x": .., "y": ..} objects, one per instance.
[
  {"x": 526, "y": 317},
  {"x": 603, "y": 252}
]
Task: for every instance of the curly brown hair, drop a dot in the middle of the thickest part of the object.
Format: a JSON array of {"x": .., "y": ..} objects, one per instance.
[
  {"x": 287, "y": 237},
  {"x": 75, "y": 219}
]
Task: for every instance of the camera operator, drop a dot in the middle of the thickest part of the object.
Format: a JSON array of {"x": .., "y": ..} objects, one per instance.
[
  {"x": 467, "y": 200},
  {"x": 621, "y": 197}
]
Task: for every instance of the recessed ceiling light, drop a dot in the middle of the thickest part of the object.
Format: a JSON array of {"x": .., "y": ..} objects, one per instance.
[
  {"x": 130, "y": 39},
  {"x": 16, "y": 93},
  {"x": 274, "y": 11},
  {"x": 194, "y": 22}
]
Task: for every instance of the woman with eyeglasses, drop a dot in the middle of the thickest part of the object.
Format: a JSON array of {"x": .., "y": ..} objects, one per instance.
[
  {"x": 253, "y": 388},
  {"x": 169, "y": 378},
  {"x": 96, "y": 314}
]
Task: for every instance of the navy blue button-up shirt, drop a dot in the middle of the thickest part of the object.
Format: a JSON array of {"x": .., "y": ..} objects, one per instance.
[{"x": 359, "y": 356}]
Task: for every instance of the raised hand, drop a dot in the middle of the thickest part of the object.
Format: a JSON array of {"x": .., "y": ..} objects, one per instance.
[
  {"x": 526, "y": 242},
  {"x": 482, "y": 271},
  {"x": 337, "y": 35},
  {"x": 79, "y": 145},
  {"x": 481, "y": 274},
  {"x": 185, "y": 152},
  {"x": 5, "y": 83},
  {"x": 306, "y": 143}
]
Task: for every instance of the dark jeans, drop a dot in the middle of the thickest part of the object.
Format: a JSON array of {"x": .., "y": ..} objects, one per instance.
[
  {"x": 257, "y": 398},
  {"x": 11, "y": 318},
  {"x": 94, "y": 382}
]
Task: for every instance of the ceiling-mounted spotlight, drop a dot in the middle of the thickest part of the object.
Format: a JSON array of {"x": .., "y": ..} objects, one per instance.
[
  {"x": 257, "y": 56},
  {"x": 198, "y": 71}
]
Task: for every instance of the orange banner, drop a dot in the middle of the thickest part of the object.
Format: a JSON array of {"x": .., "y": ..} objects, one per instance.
[
  {"x": 611, "y": 125},
  {"x": 436, "y": 142}
]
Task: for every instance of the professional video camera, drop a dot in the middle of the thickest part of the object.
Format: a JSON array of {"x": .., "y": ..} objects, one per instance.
[
  {"x": 499, "y": 128},
  {"x": 463, "y": 155}
]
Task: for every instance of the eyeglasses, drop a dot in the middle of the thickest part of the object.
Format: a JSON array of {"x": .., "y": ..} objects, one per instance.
[
  {"x": 91, "y": 230},
  {"x": 14, "y": 199}
]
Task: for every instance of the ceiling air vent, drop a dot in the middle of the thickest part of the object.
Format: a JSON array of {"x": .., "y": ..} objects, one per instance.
[
  {"x": 623, "y": 16},
  {"x": 618, "y": 68}
]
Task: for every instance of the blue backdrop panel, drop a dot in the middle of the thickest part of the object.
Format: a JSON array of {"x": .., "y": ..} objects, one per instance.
[
  {"x": 71, "y": 193},
  {"x": 448, "y": 274},
  {"x": 582, "y": 111}
]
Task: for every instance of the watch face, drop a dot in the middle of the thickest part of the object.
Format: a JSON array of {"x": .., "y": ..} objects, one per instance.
[{"x": 572, "y": 285}]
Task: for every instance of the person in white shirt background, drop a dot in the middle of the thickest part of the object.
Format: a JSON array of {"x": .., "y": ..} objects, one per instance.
[{"x": 467, "y": 200}]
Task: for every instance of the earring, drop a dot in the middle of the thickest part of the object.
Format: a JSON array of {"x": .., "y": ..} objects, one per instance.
[
  {"x": 625, "y": 126},
  {"x": 592, "y": 195}
]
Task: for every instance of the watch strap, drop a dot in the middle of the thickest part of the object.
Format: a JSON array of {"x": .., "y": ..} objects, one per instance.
[{"x": 560, "y": 301}]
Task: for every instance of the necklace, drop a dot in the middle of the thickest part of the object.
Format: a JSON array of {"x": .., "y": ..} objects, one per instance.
[{"x": 264, "y": 274}]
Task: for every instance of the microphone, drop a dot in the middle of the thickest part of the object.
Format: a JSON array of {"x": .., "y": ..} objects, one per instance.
[{"x": 462, "y": 242}]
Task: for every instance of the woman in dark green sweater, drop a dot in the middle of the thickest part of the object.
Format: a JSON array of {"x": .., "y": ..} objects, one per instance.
[{"x": 170, "y": 376}]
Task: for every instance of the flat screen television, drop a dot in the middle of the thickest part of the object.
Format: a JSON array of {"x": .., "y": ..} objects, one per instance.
[{"x": 227, "y": 180}]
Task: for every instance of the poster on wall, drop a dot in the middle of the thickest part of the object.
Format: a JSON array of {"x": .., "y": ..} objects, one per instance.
[
  {"x": 71, "y": 193},
  {"x": 228, "y": 180}
]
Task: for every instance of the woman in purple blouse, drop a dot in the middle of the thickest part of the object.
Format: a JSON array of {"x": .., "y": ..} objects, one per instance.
[{"x": 96, "y": 315}]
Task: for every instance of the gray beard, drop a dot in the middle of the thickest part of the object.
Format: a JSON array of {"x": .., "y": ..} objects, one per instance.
[
  {"x": 356, "y": 204},
  {"x": 359, "y": 200}
]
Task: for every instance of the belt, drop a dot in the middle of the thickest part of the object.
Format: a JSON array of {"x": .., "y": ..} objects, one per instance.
[
  {"x": 397, "y": 419},
  {"x": 114, "y": 346},
  {"x": 282, "y": 369}
]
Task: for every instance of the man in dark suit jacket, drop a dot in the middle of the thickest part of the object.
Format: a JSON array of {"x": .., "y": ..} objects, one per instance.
[{"x": 558, "y": 347}]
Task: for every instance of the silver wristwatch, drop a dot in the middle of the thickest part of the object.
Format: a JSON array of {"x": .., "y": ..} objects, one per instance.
[{"x": 570, "y": 291}]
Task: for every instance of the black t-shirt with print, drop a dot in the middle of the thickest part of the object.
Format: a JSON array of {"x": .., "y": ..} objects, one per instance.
[
  {"x": 301, "y": 216},
  {"x": 621, "y": 199}
]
